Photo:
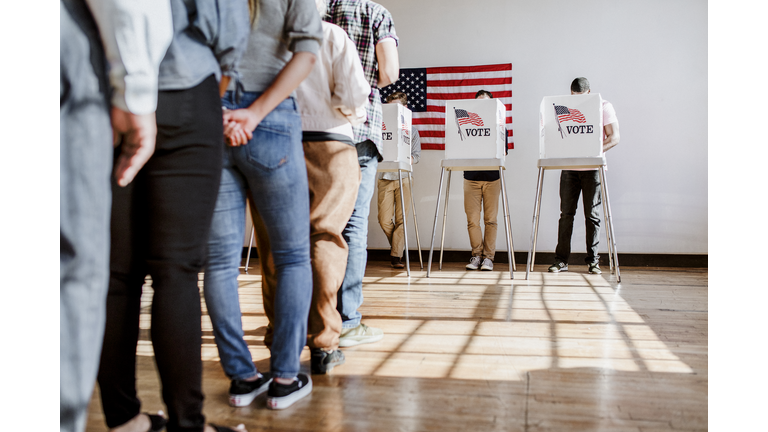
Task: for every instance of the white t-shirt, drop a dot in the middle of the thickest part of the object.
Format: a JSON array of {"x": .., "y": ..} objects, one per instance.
[{"x": 609, "y": 116}]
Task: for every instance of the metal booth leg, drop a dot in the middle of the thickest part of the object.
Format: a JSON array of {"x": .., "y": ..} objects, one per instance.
[
  {"x": 250, "y": 246},
  {"x": 535, "y": 223},
  {"x": 609, "y": 218},
  {"x": 434, "y": 225},
  {"x": 405, "y": 226},
  {"x": 415, "y": 221},
  {"x": 445, "y": 216},
  {"x": 607, "y": 231},
  {"x": 507, "y": 225}
]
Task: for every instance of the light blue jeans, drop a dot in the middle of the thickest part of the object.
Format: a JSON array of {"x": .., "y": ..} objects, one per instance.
[
  {"x": 272, "y": 167},
  {"x": 85, "y": 140},
  {"x": 350, "y": 296}
]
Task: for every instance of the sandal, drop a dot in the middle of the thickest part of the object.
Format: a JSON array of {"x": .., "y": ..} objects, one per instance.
[{"x": 157, "y": 422}]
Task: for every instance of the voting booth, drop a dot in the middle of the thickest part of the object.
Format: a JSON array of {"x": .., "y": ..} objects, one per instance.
[
  {"x": 396, "y": 133},
  {"x": 571, "y": 126},
  {"x": 475, "y": 140},
  {"x": 396, "y": 151},
  {"x": 475, "y": 129},
  {"x": 571, "y": 138}
]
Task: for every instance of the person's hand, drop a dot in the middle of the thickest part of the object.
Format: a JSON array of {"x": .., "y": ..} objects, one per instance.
[
  {"x": 234, "y": 135},
  {"x": 239, "y": 125},
  {"x": 137, "y": 134}
]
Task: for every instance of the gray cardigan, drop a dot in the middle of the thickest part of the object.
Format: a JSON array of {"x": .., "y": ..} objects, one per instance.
[{"x": 283, "y": 27}]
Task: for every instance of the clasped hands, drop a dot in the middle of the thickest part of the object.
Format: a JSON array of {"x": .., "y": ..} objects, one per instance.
[{"x": 239, "y": 125}]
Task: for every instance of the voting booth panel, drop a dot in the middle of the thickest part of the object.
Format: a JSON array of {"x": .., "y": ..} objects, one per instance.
[
  {"x": 396, "y": 133},
  {"x": 571, "y": 126},
  {"x": 475, "y": 129}
]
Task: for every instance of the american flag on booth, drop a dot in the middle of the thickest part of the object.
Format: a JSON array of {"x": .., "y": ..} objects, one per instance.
[
  {"x": 565, "y": 114},
  {"x": 428, "y": 89},
  {"x": 465, "y": 117}
]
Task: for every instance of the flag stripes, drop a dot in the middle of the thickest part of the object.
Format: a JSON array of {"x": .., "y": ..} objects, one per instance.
[{"x": 429, "y": 89}]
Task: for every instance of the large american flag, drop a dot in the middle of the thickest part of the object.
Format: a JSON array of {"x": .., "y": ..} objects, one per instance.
[
  {"x": 565, "y": 114},
  {"x": 428, "y": 89}
]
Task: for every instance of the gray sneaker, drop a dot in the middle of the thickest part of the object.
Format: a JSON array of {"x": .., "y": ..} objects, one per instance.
[
  {"x": 558, "y": 267},
  {"x": 487, "y": 265},
  {"x": 323, "y": 361},
  {"x": 474, "y": 263},
  {"x": 594, "y": 268}
]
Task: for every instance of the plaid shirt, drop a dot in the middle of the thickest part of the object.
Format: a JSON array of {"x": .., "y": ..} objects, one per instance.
[{"x": 367, "y": 23}]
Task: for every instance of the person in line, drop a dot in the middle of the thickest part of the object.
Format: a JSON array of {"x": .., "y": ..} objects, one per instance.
[
  {"x": 88, "y": 37},
  {"x": 372, "y": 29},
  {"x": 389, "y": 195},
  {"x": 265, "y": 159},
  {"x": 332, "y": 99},
  {"x": 584, "y": 182},
  {"x": 481, "y": 193},
  {"x": 160, "y": 223}
]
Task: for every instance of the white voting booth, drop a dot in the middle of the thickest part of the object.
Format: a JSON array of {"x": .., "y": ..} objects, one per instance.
[
  {"x": 396, "y": 149},
  {"x": 571, "y": 137},
  {"x": 475, "y": 140}
]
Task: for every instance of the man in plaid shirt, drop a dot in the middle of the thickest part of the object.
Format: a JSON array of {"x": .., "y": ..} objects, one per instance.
[{"x": 371, "y": 28}]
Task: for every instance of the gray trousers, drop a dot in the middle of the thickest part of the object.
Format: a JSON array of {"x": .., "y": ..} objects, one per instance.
[{"x": 86, "y": 163}]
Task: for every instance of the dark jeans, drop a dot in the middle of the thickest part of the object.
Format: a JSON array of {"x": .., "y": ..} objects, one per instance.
[
  {"x": 573, "y": 183},
  {"x": 160, "y": 226}
]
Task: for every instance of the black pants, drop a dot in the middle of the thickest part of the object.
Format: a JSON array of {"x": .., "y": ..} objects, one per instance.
[
  {"x": 160, "y": 226},
  {"x": 573, "y": 183}
]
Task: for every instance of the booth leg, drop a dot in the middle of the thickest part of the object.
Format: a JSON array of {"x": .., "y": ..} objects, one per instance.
[
  {"x": 405, "y": 225},
  {"x": 609, "y": 225},
  {"x": 445, "y": 217},
  {"x": 607, "y": 231},
  {"x": 415, "y": 222},
  {"x": 535, "y": 223},
  {"x": 507, "y": 225},
  {"x": 250, "y": 246},
  {"x": 434, "y": 225}
]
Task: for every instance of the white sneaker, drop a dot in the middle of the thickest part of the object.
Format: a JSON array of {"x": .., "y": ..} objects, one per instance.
[
  {"x": 474, "y": 263},
  {"x": 361, "y": 334},
  {"x": 487, "y": 265}
]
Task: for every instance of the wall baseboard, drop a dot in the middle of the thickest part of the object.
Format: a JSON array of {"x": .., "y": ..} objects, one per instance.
[{"x": 625, "y": 259}]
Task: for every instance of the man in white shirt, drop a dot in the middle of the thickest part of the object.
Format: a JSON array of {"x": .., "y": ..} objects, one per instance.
[{"x": 587, "y": 183}]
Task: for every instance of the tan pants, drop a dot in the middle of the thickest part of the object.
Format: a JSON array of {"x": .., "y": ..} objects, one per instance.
[
  {"x": 482, "y": 195},
  {"x": 334, "y": 176},
  {"x": 389, "y": 204}
]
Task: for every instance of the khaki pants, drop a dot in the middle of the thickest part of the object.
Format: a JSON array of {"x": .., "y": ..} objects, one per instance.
[
  {"x": 389, "y": 204},
  {"x": 334, "y": 176},
  {"x": 482, "y": 195}
]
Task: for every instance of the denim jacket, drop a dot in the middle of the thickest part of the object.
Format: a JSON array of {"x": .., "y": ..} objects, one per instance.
[{"x": 209, "y": 37}]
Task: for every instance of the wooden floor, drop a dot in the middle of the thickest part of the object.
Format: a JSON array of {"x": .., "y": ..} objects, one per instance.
[{"x": 474, "y": 351}]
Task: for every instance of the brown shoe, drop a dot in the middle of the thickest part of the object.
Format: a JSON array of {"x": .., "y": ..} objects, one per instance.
[{"x": 396, "y": 263}]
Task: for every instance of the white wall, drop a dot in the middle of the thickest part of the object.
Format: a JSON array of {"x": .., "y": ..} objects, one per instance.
[{"x": 648, "y": 58}]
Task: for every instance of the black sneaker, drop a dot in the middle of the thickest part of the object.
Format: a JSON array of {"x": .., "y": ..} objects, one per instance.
[
  {"x": 242, "y": 393},
  {"x": 323, "y": 361},
  {"x": 594, "y": 268},
  {"x": 558, "y": 267},
  {"x": 282, "y": 396}
]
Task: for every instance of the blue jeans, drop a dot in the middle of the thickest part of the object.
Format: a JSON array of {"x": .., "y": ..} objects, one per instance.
[
  {"x": 350, "y": 296},
  {"x": 272, "y": 167},
  {"x": 85, "y": 139}
]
